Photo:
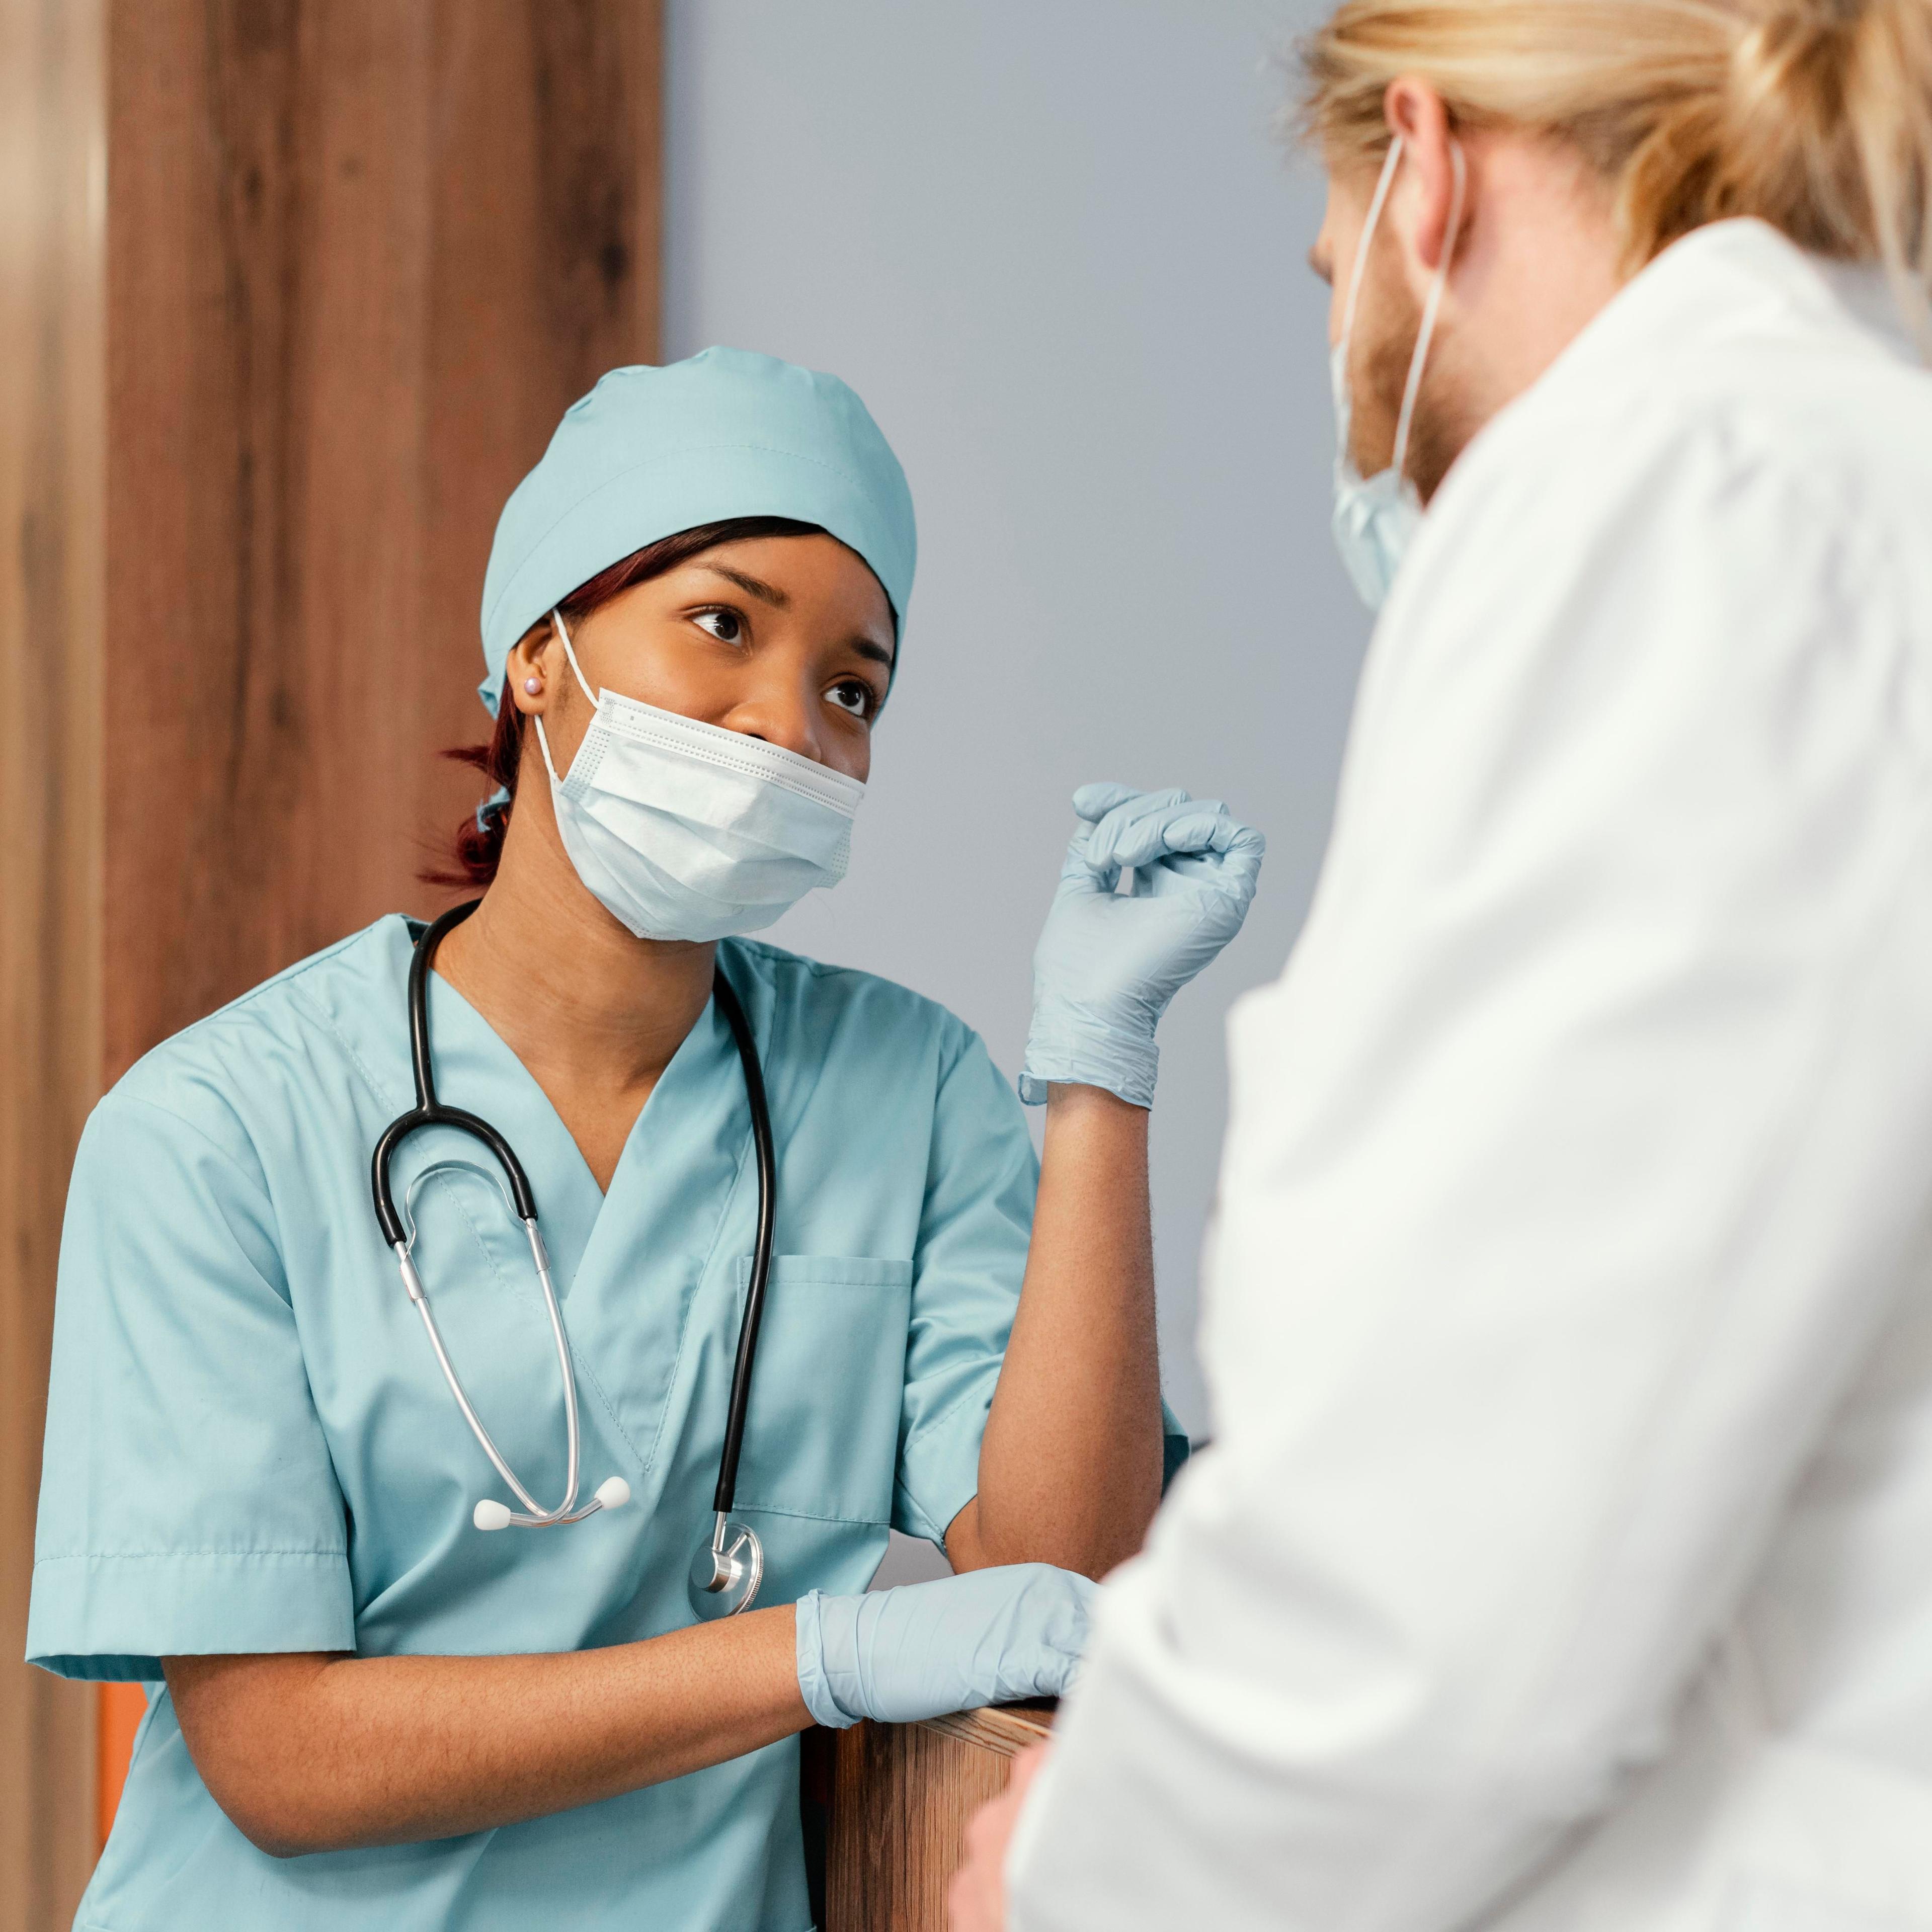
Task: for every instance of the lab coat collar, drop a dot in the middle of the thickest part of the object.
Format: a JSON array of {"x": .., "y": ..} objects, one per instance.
[{"x": 1730, "y": 282}]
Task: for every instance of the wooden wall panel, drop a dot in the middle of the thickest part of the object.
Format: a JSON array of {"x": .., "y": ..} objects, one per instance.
[
  {"x": 291, "y": 293},
  {"x": 51, "y": 488},
  {"x": 361, "y": 253}
]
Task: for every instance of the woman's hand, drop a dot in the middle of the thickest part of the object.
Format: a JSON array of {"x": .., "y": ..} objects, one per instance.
[
  {"x": 977, "y": 1900},
  {"x": 1108, "y": 964},
  {"x": 990, "y": 1637}
]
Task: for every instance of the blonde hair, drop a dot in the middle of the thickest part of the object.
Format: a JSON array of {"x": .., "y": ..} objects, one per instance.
[{"x": 1814, "y": 115}]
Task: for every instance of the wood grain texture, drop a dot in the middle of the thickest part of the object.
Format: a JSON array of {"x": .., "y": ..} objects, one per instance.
[
  {"x": 292, "y": 292},
  {"x": 51, "y": 444},
  {"x": 362, "y": 255},
  {"x": 902, "y": 1794}
]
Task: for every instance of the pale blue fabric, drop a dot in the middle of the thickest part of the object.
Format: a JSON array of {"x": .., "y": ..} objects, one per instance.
[
  {"x": 956, "y": 1643},
  {"x": 651, "y": 452},
  {"x": 250, "y": 1446},
  {"x": 1109, "y": 962}
]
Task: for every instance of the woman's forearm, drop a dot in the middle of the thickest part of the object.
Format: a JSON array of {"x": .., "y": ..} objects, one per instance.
[
  {"x": 1070, "y": 1466},
  {"x": 320, "y": 1753}
]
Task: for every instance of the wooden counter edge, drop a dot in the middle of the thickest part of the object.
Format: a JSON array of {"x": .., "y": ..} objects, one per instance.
[{"x": 1006, "y": 1728}]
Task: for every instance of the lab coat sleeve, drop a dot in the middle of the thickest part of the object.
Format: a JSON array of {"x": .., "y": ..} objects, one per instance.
[
  {"x": 981, "y": 1176},
  {"x": 1571, "y": 1168},
  {"x": 187, "y": 1501}
]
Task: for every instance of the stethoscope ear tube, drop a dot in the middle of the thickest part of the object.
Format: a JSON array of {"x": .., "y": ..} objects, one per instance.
[{"x": 427, "y": 1112}]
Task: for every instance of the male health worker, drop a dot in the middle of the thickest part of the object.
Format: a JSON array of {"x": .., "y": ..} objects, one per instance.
[{"x": 1564, "y": 1557}]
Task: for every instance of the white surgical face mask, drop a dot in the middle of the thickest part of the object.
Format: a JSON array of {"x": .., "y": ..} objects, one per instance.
[
  {"x": 686, "y": 831},
  {"x": 1376, "y": 517}
]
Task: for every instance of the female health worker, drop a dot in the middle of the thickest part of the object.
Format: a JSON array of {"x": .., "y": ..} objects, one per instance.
[{"x": 259, "y": 1494}]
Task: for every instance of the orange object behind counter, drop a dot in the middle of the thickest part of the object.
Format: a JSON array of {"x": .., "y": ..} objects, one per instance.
[{"x": 122, "y": 1707}]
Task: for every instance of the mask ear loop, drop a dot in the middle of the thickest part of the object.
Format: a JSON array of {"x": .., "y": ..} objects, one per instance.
[
  {"x": 563, "y": 638},
  {"x": 1382, "y": 186},
  {"x": 1399, "y": 459}
]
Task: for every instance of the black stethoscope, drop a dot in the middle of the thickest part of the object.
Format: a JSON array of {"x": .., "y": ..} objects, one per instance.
[{"x": 726, "y": 1572}]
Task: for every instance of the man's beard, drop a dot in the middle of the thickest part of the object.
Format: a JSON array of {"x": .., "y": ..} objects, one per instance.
[{"x": 1379, "y": 374}]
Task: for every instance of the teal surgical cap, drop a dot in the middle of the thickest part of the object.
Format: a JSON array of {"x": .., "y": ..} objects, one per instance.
[{"x": 651, "y": 452}]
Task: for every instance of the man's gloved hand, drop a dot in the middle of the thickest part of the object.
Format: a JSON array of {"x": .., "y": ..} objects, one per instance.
[
  {"x": 1108, "y": 964},
  {"x": 987, "y": 1636}
]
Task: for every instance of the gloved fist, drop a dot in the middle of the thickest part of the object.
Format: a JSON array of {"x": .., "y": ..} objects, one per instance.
[
  {"x": 1108, "y": 964},
  {"x": 987, "y": 1636}
]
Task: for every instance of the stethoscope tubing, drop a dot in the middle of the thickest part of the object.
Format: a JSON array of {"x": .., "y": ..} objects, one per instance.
[
  {"x": 538, "y": 1515},
  {"x": 399, "y": 1233},
  {"x": 428, "y": 1111},
  {"x": 735, "y": 1415}
]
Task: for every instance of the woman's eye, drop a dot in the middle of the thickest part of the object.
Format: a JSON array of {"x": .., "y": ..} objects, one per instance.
[
  {"x": 855, "y": 695},
  {"x": 727, "y": 626}
]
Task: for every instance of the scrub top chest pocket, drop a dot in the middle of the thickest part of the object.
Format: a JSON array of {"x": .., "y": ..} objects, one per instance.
[{"x": 822, "y": 1437}]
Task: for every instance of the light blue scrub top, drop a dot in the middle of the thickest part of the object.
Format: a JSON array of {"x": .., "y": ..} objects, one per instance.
[{"x": 250, "y": 1446}]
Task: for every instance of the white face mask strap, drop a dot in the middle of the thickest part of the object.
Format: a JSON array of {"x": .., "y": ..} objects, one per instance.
[
  {"x": 1382, "y": 186},
  {"x": 543, "y": 746},
  {"x": 557, "y": 624},
  {"x": 1414, "y": 387},
  {"x": 563, "y": 638}
]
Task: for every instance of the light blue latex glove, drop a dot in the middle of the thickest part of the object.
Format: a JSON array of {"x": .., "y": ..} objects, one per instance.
[
  {"x": 1107, "y": 963},
  {"x": 988, "y": 1636}
]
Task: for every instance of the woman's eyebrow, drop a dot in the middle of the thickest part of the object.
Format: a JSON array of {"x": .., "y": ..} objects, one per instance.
[
  {"x": 864, "y": 647},
  {"x": 755, "y": 586}
]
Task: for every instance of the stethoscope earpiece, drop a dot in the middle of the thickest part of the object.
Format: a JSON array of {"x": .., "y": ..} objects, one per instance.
[{"x": 613, "y": 1492}]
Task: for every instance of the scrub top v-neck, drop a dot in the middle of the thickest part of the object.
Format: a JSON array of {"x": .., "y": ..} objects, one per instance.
[{"x": 250, "y": 1447}]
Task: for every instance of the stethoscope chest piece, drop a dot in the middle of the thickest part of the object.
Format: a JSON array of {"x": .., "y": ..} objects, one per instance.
[{"x": 726, "y": 1572}]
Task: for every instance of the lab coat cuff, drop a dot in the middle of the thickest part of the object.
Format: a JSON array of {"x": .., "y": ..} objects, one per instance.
[{"x": 112, "y": 1618}]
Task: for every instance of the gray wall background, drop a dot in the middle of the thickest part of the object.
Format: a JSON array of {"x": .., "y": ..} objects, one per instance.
[{"x": 1058, "y": 248}]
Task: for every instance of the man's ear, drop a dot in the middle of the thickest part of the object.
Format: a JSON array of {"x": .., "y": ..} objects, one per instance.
[{"x": 1415, "y": 111}]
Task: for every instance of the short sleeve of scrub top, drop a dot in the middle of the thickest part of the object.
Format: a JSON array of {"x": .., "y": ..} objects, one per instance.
[
  {"x": 192, "y": 1508},
  {"x": 979, "y": 1196},
  {"x": 250, "y": 1447}
]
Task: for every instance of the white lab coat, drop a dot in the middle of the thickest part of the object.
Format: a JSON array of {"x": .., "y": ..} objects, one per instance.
[{"x": 1565, "y": 1559}]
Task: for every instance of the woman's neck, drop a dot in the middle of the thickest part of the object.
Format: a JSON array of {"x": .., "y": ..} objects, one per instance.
[{"x": 594, "y": 1014}]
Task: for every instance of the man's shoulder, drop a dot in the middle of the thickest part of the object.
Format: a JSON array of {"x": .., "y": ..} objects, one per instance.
[{"x": 1789, "y": 380}]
